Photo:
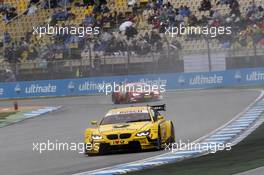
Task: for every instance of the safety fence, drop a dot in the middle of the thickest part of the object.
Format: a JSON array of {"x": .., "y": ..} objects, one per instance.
[
  {"x": 98, "y": 85},
  {"x": 152, "y": 63}
]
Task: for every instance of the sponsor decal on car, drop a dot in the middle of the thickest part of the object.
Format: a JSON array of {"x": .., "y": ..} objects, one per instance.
[{"x": 126, "y": 112}]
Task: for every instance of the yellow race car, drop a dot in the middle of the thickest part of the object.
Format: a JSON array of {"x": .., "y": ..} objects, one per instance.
[{"x": 130, "y": 128}]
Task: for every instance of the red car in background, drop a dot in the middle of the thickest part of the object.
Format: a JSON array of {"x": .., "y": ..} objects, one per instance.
[{"x": 136, "y": 92}]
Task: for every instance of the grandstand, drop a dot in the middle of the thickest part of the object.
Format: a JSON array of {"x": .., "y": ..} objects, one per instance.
[{"x": 142, "y": 44}]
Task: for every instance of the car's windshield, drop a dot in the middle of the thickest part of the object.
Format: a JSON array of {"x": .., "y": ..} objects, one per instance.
[{"x": 125, "y": 118}]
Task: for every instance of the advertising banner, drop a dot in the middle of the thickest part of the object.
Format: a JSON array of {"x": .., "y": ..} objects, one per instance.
[{"x": 101, "y": 85}]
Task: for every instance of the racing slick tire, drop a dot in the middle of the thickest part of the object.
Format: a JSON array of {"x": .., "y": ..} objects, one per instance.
[
  {"x": 152, "y": 95},
  {"x": 159, "y": 142},
  {"x": 115, "y": 99},
  {"x": 102, "y": 151},
  {"x": 91, "y": 154},
  {"x": 127, "y": 99},
  {"x": 172, "y": 135}
]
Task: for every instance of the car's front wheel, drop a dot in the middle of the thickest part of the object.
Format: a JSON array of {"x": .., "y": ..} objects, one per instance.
[{"x": 103, "y": 149}]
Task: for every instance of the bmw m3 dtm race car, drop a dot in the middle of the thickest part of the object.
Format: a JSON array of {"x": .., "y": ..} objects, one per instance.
[
  {"x": 130, "y": 128},
  {"x": 136, "y": 92}
]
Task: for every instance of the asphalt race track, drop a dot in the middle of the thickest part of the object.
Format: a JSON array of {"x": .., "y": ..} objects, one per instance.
[{"x": 194, "y": 113}]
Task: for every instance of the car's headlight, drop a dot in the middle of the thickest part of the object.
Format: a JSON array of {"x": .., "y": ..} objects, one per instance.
[
  {"x": 96, "y": 137},
  {"x": 143, "y": 133}
]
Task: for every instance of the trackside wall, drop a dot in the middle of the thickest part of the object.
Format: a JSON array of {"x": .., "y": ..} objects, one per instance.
[{"x": 95, "y": 85}]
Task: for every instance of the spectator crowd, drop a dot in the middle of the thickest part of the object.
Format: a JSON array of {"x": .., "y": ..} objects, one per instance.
[{"x": 153, "y": 17}]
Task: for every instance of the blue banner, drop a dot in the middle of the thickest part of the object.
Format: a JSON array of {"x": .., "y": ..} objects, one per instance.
[{"x": 173, "y": 81}]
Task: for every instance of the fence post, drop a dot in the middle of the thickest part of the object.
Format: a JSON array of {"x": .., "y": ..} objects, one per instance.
[
  {"x": 255, "y": 48},
  {"x": 90, "y": 56},
  {"x": 255, "y": 54},
  {"x": 128, "y": 58},
  {"x": 209, "y": 53}
]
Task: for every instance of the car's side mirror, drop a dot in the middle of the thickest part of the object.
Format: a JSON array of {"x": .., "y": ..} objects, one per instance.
[
  {"x": 160, "y": 117},
  {"x": 94, "y": 122}
]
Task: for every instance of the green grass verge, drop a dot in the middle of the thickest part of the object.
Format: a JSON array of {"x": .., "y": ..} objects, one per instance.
[
  {"x": 4, "y": 115},
  {"x": 9, "y": 118},
  {"x": 246, "y": 155}
]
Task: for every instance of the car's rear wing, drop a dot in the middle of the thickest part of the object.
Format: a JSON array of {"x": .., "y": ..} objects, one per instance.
[{"x": 159, "y": 107}]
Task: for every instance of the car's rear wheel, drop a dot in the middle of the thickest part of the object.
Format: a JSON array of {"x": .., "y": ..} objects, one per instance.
[
  {"x": 152, "y": 95},
  {"x": 172, "y": 135},
  {"x": 127, "y": 98},
  {"x": 159, "y": 141},
  {"x": 115, "y": 99}
]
